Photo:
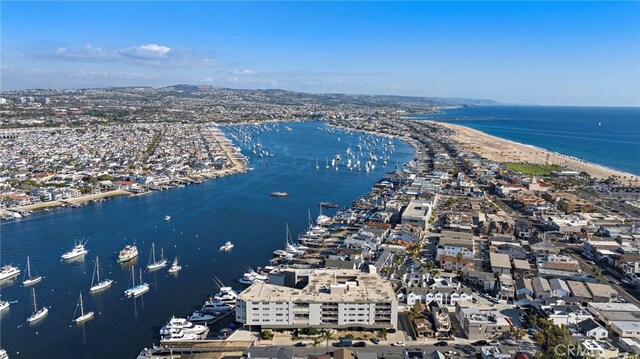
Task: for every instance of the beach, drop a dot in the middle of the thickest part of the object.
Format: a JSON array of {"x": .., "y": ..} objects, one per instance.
[{"x": 501, "y": 150}]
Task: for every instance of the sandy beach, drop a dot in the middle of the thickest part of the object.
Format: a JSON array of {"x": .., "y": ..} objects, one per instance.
[{"x": 501, "y": 150}]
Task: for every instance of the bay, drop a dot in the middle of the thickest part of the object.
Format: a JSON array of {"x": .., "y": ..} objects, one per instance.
[{"x": 236, "y": 208}]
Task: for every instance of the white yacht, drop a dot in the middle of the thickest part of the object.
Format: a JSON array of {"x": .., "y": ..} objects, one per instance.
[
  {"x": 167, "y": 218},
  {"x": 30, "y": 279},
  {"x": 77, "y": 251},
  {"x": 96, "y": 283},
  {"x": 227, "y": 246},
  {"x": 251, "y": 277},
  {"x": 83, "y": 317},
  {"x": 3, "y": 354},
  {"x": 226, "y": 294},
  {"x": 175, "y": 267},
  {"x": 179, "y": 335},
  {"x": 9, "y": 272},
  {"x": 127, "y": 253},
  {"x": 4, "y": 305},
  {"x": 37, "y": 313},
  {"x": 198, "y": 317},
  {"x": 156, "y": 264},
  {"x": 136, "y": 290},
  {"x": 215, "y": 306},
  {"x": 184, "y": 325}
]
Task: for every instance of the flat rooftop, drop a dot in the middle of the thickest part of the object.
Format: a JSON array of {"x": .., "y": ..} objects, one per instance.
[
  {"x": 499, "y": 260},
  {"x": 339, "y": 285}
]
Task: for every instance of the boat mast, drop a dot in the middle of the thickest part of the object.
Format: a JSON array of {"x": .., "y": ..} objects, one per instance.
[
  {"x": 97, "y": 269},
  {"x": 140, "y": 275},
  {"x": 133, "y": 277},
  {"x": 35, "y": 307},
  {"x": 28, "y": 269},
  {"x": 153, "y": 252},
  {"x": 81, "y": 306}
]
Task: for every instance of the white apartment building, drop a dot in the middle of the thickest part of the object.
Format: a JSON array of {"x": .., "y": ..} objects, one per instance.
[{"x": 343, "y": 298}]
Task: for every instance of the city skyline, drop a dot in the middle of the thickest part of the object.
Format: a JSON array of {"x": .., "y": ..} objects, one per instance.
[{"x": 547, "y": 54}]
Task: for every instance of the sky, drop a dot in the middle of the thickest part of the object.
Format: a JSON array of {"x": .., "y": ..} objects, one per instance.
[{"x": 547, "y": 53}]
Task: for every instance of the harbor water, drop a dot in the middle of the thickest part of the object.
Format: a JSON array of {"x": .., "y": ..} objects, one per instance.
[
  {"x": 608, "y": 136},
  {"x": 235, "y": 208}
]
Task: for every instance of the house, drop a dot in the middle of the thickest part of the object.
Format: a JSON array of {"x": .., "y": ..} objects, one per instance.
[
  {"x": 440, "y": 318},
  {"x": 592, "y": 329},
  {"x": 423, "y": 327},
  {"x": 484, "y": 280},
  {"x": 481, "y": 322},
  {"x": 452, "y": 246},
  {"x": 455, "y": 264},
  {"x": 268, "y": 353},
  {"x": 593, "y": 349},
  {"x": 506, "y": 288},
  {"x": 521, "y": 267},
  {"x": 559, "y": 288},
  {"x": 417, "y": 214},
  {"x": 541, "y": 288},
  {"x": 500, "y": 263}
]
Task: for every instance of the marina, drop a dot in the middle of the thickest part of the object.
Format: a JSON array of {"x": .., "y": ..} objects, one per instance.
[{"x": 200, "y": 216}]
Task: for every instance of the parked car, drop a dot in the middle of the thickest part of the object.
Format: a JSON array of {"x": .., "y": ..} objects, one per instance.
[
  {"x": 479, "y": 343},
  {"x": 441, "y": 344},
  {"x": 360, "y": 345},
  {"x": 391, "y": 331},
  {"x": 398, "y": 344},
  {"x": 494, "y": 343},
  {"x": 375, "y": 340},
  {"x": 345, "y": 343}
]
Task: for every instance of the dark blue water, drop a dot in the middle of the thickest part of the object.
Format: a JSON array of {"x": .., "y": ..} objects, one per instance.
[
  {"x": 236, "y": 208},
  {"x": 573, "y": 131}
]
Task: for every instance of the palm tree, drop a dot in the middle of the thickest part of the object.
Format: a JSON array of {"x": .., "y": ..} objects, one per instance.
[
  {"x": 316, "y": 342},
  {"x": 326, "y": 335},
  {"x": 414, "y": 313},
  {"x": 383, "y": 333},
  {"x": 597, "y": 272}
]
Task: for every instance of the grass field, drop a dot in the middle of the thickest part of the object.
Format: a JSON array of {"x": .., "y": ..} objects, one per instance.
[{"x": 533, "y": 168}]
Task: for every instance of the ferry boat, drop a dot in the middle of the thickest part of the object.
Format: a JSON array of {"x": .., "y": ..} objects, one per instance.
[
  {"x": 156, "y": 264},
  {"x": 77, "y": 251},
  {"x": 8, "y": 271},
  {"x": 4, "y": 305},
  {"x": 136, "y": 290},
  {"x": 99, "y": 285},
  {"x": 37, "y": 313},
  {"x": 227, "y": 246},
  {"x": 29, "y": 279},
  {"x": 328, "y": 205},
  {"x": 127, "y": 253},
  {"x": 175, "y": 267},
  {"x": 184, "y": 325},
  {"x": 83, "y": 317},
  {"x": 279, "y": 194}
]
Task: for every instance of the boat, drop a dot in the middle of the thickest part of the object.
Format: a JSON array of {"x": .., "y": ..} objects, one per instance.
[
  {"x": 215, "y": 306},
  {"x": 4, "y": 305},
  {"x": 226, "y": 294},
  {"x": 156, "y": 264},
  {"x": 83, "y": 316},
  {"x": 328, "y": 205},
  {"x": 317, "y": 165},
  {"x": 8, "y": 272},
  {"x": 37, "y": 313},
  {"x": 30, "y": 279},
  {"x": 227, "y": 246},
  {"x": 278, "y": 194},
  {"x": 96, "y": 284},
  {"x": 184, "y": 325},
  {"x": 198, "y": 317},
  {"x": 127, "y": 253},
  {"x": 175, "y": 267},
  {"x": 136, "y": 290},
  {"x": 179, "y": 335},
  {"x": 167, "y": 218},
  {"x": 77, "y": 251},
  {"x": 3, "y": 354},
  {"x": 251, "y": 277}
]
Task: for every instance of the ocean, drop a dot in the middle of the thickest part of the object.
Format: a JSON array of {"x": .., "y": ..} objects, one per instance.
[
  {"x": 608, "y": 136},
  {"x": 237, "y": 208}
]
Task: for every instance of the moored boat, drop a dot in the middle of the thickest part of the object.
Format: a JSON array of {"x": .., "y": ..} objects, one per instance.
[
  {"x": 278, "y": 194},
  {"x": 8, "y": 271},
  {"x": 37, "y": 313},
  {"x": 30, "y": 279},
  {"x": 77, "y": 251},
  {"x": 83, "y": 317},
  {"x": 128, "y": 253},
  {"x": 99, "y": 285}
]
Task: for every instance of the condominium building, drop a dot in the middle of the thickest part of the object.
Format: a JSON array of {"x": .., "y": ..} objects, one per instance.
[{"x": 322, "y": 298}]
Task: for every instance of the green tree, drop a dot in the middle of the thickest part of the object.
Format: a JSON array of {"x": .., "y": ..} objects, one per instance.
[
  {"x": 383, "y": 333},
  {"x": 550, "y": 336},
  {"x": 597, "y": 272},
  {"x": 326, "y": 335}
]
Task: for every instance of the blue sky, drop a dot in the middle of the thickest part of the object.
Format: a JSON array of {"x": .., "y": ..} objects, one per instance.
[{"x": 576, "y": 53}]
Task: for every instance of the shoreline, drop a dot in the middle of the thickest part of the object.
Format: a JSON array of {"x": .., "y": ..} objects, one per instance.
[{"x": 505, "y": 151}]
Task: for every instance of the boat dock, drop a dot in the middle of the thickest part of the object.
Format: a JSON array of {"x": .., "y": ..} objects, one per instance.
[{"x": 195, "y": 347}]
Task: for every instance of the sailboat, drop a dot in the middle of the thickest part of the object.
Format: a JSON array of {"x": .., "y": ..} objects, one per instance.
[
  {"x": 30, "y": 279},
  {"x": 317, "y": 166},
  {"x": 96, "y": 284},
  {"x": 136, "y": 290},
  {"x": 37, "y": 313},
  {"x": 156, "y": 264},
  {"x": 327, "y": 163},
  {"x": 83, "y": 316},
  {"x": 175, "y": 267}
]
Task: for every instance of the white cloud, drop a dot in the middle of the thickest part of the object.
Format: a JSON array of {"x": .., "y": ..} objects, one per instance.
[
  {"x": 152, "y": 55},
  {"x": 243, "y": 72}
]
